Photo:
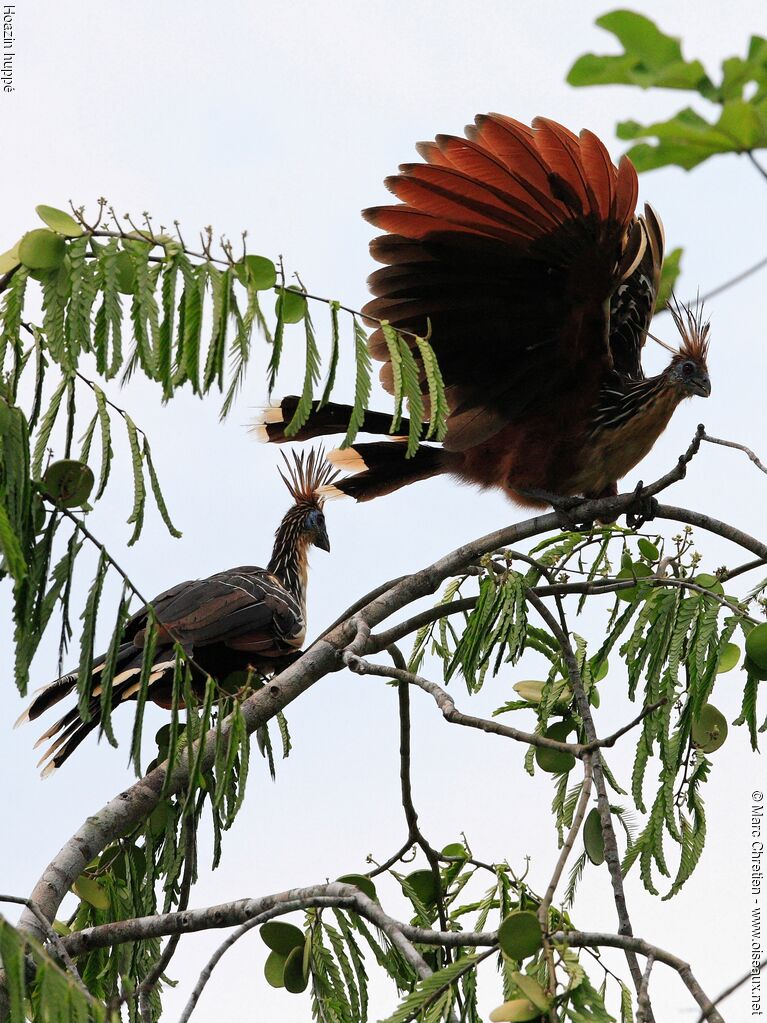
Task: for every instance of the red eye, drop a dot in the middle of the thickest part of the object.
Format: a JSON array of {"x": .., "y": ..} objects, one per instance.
[{"x": 688, "y": 368}]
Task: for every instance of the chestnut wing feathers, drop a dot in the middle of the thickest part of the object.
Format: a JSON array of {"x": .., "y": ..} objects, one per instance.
[{"x": 510, "y": 245}]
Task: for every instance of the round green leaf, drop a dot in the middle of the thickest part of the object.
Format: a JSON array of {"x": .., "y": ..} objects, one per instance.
[
  {"x": 556, "y": 761},
  {"x": 728, "y": 658},
  {"x": 709, "y": 729},
  {"x": 282, "y": 937},
  {"x": 9, "y": 260},
  {"x": 531, "y": 690},
  {"x": 456, "y": 849},
  {"x": 636, "y": 571},
  {"x": 754, "y": 669},
  {"x": 90, "y": 891},
  {"x": 599, "y": 670},
  {"x": 294, "y": 976},
  {"x": 126, "y": 273},
  {"x": 593, "y": 838},
  {"x": 756, "y": 646},
  {"x": 293, "y": 305},
  {"x": 274, "y": 969},
  {"x": 364, "y": 884},
  {"x": 41, "y": 249},
  {"x": 520, "y": 934},
  {"x": 648, "y": 549},
  {"x": 518, "y": 1010},
  {"x": 59, "y": 221},
  {"x": 424, "y": 885},
  {"x": 594, "y": 698},
  {"x": 261, "y": 272},
  {"x": 532, "y": 990},
  {"x": 709, "y": 582},
  {"x": 68, "y": 482}
]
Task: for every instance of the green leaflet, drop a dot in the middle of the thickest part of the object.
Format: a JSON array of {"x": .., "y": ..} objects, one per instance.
[
  {"x": 277, "y": 341},
  {"x": 311, "y": 378},
  {"x": 221, "y": 288},
  {"x": 361, "y": 384},
  {"x": 239, "y": 350},
  {"x": 395, "y": 356},
  {"x": 46, "y": 426},
  {"x": 110, "y": 667},
  {"x": 144, "y": 311},
  {"x": 190, "y": 326},
  {"x": 356, "y": 956},
  {"x": 53, "y": 992},
  {"x": 89, "y": 616},
  {"x": 335, "y": 348},
  {"x": 165, "y": 335},
  {"x": 11, "y": 312},
  {"x": 437, "y": 403},
  {"x": 106, "y": 445},
  {"x": 87, "y": 439},
  {"x": 412, "y": 391},
  {"x": 107, "y": 329},
  {"x": 150, "y": 646},
  {"x": 10, "y": 547},
  {"x": 139, "y": 489},
  {"x": 495, "y": 629},
  {"x": 429, "y": 989},
  {"x": 158, "y": 496}
]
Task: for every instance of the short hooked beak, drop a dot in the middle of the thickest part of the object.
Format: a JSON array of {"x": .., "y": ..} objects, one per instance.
[
  {"x": 322, "y": 541},
  {"x": 701, "y": 385}
]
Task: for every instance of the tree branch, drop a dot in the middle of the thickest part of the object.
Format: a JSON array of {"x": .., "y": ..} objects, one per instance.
[{"x": 581, "y": 939}]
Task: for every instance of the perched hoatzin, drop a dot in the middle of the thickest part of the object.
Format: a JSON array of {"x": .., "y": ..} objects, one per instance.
[
  {"x": 521, "y": 249},
  {"x": 246, "y": 618}
]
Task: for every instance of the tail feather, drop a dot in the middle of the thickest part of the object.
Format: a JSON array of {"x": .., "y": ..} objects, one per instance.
[
  {"x": 331, "y": 419},
  {"x": 48, "y": 696},
  {"x": 381, "y": 468},
  {"x": 69, "y": 731}
]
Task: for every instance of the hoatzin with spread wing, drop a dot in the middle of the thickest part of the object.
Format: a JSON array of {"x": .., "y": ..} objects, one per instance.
[
  {"x": 521, "y": 250},
  {"x": 243, "y": 619}
]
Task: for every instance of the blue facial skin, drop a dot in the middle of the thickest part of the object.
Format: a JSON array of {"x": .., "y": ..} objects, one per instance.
[{"x": 315, "y": 524}]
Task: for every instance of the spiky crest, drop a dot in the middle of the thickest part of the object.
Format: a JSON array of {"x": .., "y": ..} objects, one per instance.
[
  {"x": 693, "y": 329},
  {"x": 307, "y": 474}
]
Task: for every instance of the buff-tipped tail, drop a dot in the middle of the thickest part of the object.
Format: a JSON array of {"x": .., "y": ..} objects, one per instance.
[
  {"x": 332, "y": 418},
  {"x": 382, "y": 467}
]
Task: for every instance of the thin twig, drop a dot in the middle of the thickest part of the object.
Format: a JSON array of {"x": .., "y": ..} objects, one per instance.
[
  {"x": 612, "y": 856},
  {"x": 643, "y": 998},
  {"x": 732, "y": 988},
  {"x": 212, "y": 963},
  {"x": 415, "y": 834},
  {"x": 579, "y": 939},
  {"x": 739, "y": 447},
  {"x": 572, "y": 834}
]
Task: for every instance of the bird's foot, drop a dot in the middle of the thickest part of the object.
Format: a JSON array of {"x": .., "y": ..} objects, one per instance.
[
  {"x": 563, "y": 506},
  {"x": 644, "y": 508}
]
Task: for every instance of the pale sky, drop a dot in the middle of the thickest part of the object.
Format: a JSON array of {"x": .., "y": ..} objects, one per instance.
[{"x": 284, "y": 119}]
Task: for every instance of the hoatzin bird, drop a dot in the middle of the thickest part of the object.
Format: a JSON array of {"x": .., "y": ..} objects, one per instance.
[
  {"x": 243, "y": 619},
  {"x": 521, "y": 250}
]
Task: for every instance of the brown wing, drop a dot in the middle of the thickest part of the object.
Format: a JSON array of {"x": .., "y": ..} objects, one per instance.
[
  {"x": 509, "y": 244},
  {"x": 226, "y": 622},
  {"x": 244, "y": 608}
]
